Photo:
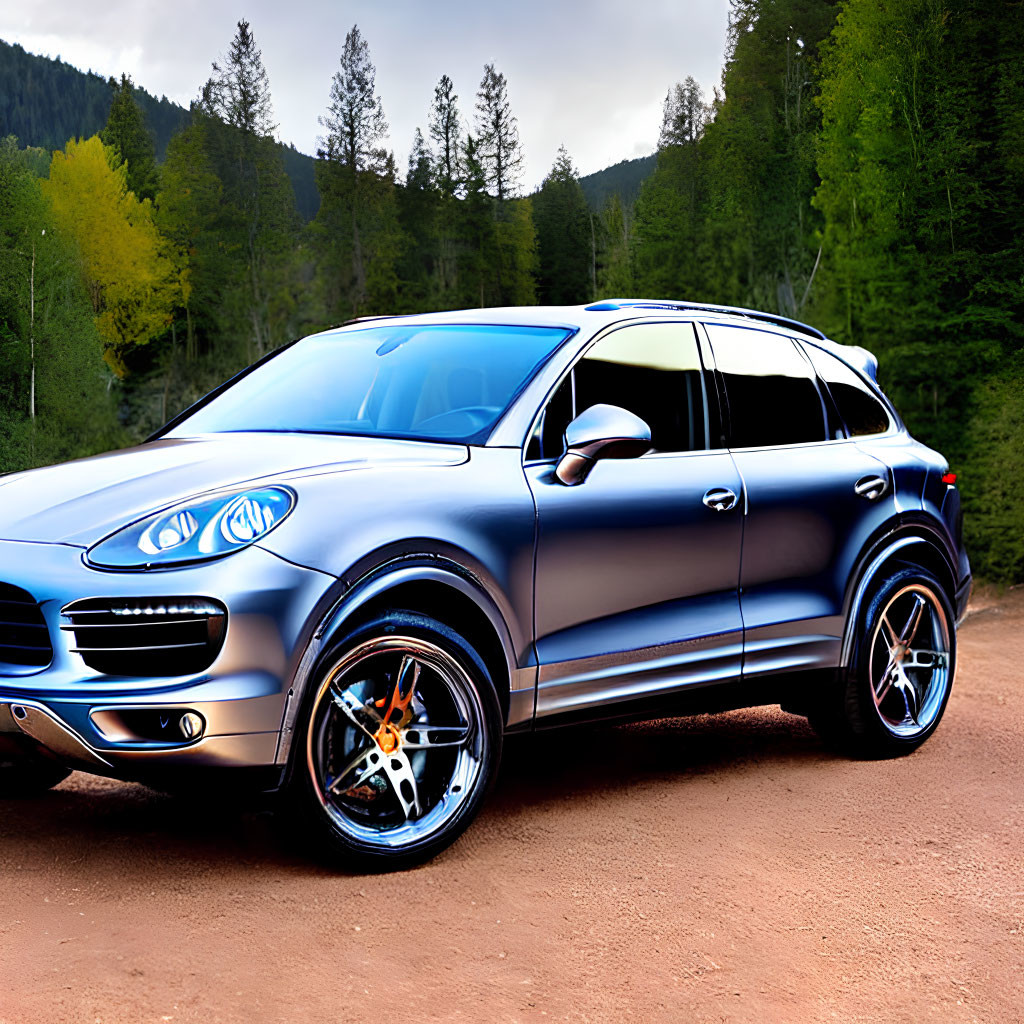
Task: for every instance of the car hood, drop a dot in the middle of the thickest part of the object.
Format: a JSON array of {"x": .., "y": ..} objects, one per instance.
[{"x": 82, "y": 502}]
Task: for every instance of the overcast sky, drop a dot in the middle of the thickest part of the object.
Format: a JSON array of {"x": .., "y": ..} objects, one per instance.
[{"x": 591, "y": 75}]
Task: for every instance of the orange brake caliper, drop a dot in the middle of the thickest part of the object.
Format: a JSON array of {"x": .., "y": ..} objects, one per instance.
[{"x": 387, "y": 733}]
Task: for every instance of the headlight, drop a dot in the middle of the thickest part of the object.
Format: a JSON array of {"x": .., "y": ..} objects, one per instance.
[{"x": 195, "y": 531}]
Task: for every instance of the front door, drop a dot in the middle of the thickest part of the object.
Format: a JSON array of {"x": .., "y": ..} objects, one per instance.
[{"x": 637, "y": 568}]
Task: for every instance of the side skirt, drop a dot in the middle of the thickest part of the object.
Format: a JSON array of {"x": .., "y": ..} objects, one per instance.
[{"x": 795, "y": 693}]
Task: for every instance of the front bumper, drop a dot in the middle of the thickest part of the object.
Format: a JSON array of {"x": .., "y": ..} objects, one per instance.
[{"x": 68, "y": 708}]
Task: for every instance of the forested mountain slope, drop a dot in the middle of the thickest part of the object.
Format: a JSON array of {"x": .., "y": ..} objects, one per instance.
[
  {"x": 622, "y": 179},
  {"x": 44, "y": 102}
]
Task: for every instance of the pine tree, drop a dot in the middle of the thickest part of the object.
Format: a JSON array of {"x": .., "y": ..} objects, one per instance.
[
  {"x": 475, "y": 234},
  {"x": 498, "y": 136},
  {"x": 564, "y": 236},
  {"x": 203, "y": 233},
  {"x": 418, "y": 204},
  {"x": 239, "y": 136},
  {"x": 239, "y": 90},
  {"x": 667, "y": 255},
  {"x": 126, "y": 134},
  {"x": 444, "y": 127},
  {"x": 685, "y": 115},
  {"x": 517, "y": 254},
  {"x": 355, "y": 122},
  {"x": 444, "y": 130},
  {"x": 351, "y": 168},
  {"x": 614, "y": 249}
]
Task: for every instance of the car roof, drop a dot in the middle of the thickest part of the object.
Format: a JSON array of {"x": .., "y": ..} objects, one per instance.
[{"x": 598, "y": 315}]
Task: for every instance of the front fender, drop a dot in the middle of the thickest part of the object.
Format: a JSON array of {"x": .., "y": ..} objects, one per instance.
[{"x": 377, "y": 583}]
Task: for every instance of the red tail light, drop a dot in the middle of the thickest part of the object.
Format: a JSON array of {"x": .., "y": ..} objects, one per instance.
[{"x": 949, "y": 478}]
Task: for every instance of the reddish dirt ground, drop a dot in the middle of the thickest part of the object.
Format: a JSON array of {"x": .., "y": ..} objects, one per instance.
[{"x": 712, "y": 869}]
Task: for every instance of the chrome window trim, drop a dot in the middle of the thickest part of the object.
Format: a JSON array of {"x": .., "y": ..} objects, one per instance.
[
  {"x": 650, "y": 456},
  {"x": 799, "y": 444}
]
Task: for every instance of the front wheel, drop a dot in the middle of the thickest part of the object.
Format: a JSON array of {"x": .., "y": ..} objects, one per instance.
[
  {"x": 401, "y": 742},
  {"x": 892, "y": 696}
]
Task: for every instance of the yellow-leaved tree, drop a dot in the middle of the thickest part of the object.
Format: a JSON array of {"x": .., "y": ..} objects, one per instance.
[{"x": 131, "y": 279}]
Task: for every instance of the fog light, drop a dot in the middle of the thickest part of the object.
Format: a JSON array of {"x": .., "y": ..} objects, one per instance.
[{"x": 191, "y": 725}]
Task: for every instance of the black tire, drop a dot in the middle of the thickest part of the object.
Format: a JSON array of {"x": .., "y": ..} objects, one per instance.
[
  {"x": 30, "y": 777},
  {"x": 848, "y": 717},
  {"x": 338, "y": 831}
]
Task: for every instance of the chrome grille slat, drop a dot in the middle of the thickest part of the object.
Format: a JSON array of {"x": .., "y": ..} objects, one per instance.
[
  {"x": 141, "y": 647},
  {"x": 184, "y": 616},
  {"x": 158, "y": 636},
  {"x": 151, "y": 622}
]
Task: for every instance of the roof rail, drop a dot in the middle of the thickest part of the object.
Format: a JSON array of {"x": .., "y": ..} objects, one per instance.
[
  {"x": 365, "y": 319},
  {"x": 750, "y": 314}
]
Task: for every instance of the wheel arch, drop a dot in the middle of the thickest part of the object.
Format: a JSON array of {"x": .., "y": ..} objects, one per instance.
[
  {"x": 914, "y": 543},
  {"x": 434, "y": 587}
]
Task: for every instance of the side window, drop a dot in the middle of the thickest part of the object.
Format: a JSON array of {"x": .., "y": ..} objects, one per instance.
[
  {"x": 862, "y": 412},
  {"x": 654, "y": 371},
  {"x": 770, "y": 387}
]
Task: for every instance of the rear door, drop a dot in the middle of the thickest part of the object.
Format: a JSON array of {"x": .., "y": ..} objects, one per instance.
[
  {"x": 813, "y": 498},
  {"x": 637, "y": 568}
]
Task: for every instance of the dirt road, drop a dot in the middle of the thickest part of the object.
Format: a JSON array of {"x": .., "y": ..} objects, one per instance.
[{"x": 711, "y": 869}]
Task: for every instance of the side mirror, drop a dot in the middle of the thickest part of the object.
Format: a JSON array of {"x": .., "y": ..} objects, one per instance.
[{"x": 600, "y": 432}]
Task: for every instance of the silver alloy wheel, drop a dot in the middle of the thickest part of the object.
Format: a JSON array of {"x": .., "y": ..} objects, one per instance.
[
  {"x": 395, "y": 743},
  {"x": 909, "y": 670}
]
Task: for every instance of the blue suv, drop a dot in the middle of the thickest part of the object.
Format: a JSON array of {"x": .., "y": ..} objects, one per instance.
[{"x": 346, "y": 574}]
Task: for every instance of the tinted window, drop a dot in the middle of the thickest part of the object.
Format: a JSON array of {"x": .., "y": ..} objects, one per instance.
[
  {"x": 435, "y": 382},
  {"x": 772, "y": 395},
  {"x": 654, "y": 371},
  {"x": 861, "y": 411}
]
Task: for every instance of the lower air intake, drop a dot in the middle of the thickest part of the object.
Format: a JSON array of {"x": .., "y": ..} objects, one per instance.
[{"x": 147, "y": 637}]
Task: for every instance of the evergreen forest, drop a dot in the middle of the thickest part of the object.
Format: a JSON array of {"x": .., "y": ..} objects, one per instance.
[{"x": 860, "y": 167}]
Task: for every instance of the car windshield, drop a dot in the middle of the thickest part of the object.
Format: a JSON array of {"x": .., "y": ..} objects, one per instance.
[{"x": 428, "y": 382}]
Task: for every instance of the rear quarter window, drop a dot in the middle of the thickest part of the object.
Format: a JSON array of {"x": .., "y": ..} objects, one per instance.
[{"x": 860, "y": 409}]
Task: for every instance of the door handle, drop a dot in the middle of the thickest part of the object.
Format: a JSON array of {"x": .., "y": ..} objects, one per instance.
[
  {"x": 871, "y": 487},
  {"x": 721, "y": 499}
]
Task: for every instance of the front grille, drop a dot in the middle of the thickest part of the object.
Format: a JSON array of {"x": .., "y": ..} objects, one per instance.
[
  {"x": 147, "y": 637},
  {"x": 24, "y": 638}
]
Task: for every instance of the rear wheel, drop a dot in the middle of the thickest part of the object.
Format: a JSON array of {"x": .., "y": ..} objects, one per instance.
[
  {"x": 893, "y": 695},
  {"x": 401, "y": 742},
  {"x": 29, "y": 776}
]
